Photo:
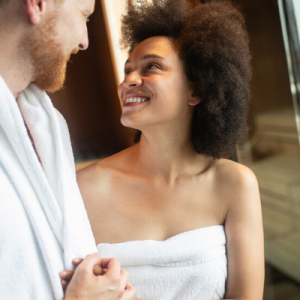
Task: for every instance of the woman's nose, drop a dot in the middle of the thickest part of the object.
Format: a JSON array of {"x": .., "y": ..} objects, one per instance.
[{"x": 132, "y": 80}]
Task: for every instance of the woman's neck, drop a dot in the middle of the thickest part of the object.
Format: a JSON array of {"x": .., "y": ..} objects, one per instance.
[{"x": 169, "y": 154}]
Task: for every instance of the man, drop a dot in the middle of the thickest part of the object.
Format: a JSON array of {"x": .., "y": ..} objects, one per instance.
[{"x": 43, "y": 223}]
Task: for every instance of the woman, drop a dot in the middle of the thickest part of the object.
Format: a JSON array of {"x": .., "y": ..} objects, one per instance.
[{"x": 183, "y": 220}]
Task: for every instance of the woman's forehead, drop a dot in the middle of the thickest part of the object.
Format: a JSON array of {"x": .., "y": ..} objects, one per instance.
[{"x": 158, "y": 45}]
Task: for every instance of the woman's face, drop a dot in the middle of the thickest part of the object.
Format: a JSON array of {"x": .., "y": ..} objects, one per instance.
[{"x": 155, "y": 89}]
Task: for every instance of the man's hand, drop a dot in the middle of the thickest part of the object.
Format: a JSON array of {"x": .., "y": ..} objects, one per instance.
[
  {"x": 67, "y": 275},
  {"x": 85, "y": 285}
]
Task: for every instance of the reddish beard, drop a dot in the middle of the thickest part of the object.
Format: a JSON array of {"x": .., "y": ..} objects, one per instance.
[{"x": 47, "y": 57}]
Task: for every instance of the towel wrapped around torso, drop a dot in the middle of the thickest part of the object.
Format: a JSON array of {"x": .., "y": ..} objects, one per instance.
[{"x": 190, "y": 265}]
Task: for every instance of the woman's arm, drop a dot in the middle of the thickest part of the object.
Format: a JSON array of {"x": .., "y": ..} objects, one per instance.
[{"x": 244, "y": 233}]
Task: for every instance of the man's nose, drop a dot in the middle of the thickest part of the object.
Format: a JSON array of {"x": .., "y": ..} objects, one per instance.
[
  {"x": 132, "y": 80},
  {"x": 84, "y": 44}
]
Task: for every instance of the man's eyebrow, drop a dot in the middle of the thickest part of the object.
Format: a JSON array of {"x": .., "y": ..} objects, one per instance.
[{"x": 148, "y": 56}]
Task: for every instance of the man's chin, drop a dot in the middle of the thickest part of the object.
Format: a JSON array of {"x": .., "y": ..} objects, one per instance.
[
  {"x": 50, "y": 87},
  {"x": 52, "y": 81}
]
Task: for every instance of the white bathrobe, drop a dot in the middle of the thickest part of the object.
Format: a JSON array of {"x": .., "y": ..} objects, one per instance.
[{"x": 43, "y": 222}]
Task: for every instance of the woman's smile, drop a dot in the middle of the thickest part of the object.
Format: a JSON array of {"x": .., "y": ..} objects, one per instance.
[{"x": 133, "y": 99}]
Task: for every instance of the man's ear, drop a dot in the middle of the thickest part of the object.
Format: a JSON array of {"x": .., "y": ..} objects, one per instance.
[
  {"x": 34, "y": 10},
  {"x": 194, "y": 100}
]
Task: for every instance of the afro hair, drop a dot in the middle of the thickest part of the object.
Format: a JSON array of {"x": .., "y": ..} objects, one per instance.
[{"x": 213, "y": 45}]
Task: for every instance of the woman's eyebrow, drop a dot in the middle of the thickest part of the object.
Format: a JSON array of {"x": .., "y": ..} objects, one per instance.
[{"x": 148, "y": 56}]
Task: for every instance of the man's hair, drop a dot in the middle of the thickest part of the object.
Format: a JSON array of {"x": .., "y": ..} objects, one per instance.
[{"x": 213, "y": 45}]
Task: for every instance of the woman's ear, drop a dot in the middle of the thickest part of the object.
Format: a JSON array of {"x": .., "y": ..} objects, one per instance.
[
  {"x": 194, "y": 100},
  {"x": 34, "y": 10}
]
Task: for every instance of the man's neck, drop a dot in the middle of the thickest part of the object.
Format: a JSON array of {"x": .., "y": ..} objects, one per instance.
[
  {"x": 15, "y": 67},
  {"x": 16, "y": 81}
]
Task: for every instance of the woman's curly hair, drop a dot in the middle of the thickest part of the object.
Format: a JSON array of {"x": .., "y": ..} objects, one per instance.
[{"x": 213, "y": 45}]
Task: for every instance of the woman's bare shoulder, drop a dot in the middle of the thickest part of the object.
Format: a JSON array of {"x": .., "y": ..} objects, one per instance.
[
  {"x": 234, "y": 180},
  {"x": 233, "y": 171},
  {"x": 99, "y": 173}
]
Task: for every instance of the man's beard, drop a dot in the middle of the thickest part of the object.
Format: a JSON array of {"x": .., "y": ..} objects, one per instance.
[{"x": 47, "y": 57}]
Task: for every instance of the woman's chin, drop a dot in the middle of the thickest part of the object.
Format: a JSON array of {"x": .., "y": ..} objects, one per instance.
[{"x": 130, "y": 122}]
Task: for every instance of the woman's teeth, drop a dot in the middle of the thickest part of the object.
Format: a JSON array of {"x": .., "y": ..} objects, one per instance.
[{"x": 130, "y": 100}]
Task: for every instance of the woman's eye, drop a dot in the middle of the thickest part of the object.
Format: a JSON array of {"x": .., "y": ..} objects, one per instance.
[{"x": 152, "y": 66}]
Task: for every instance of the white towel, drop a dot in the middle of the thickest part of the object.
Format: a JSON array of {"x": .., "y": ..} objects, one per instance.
[
  {"x": 49, "y": 193},
  {"x": 190, "y": 265}
]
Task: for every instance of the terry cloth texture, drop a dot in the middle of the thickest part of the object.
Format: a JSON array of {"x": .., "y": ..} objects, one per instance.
[
  {"x": 190, "y": 265},
  {"x": 43, "y": 221}
]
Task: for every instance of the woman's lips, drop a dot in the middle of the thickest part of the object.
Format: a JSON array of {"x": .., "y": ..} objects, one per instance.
[{"x": 132, "y": 104}]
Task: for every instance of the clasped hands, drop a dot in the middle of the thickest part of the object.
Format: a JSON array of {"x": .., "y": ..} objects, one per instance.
[{"x": 96, "y": 278}]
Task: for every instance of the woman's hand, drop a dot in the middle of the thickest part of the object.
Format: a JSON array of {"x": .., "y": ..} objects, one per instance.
[{"x": 83, "y": 284}]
